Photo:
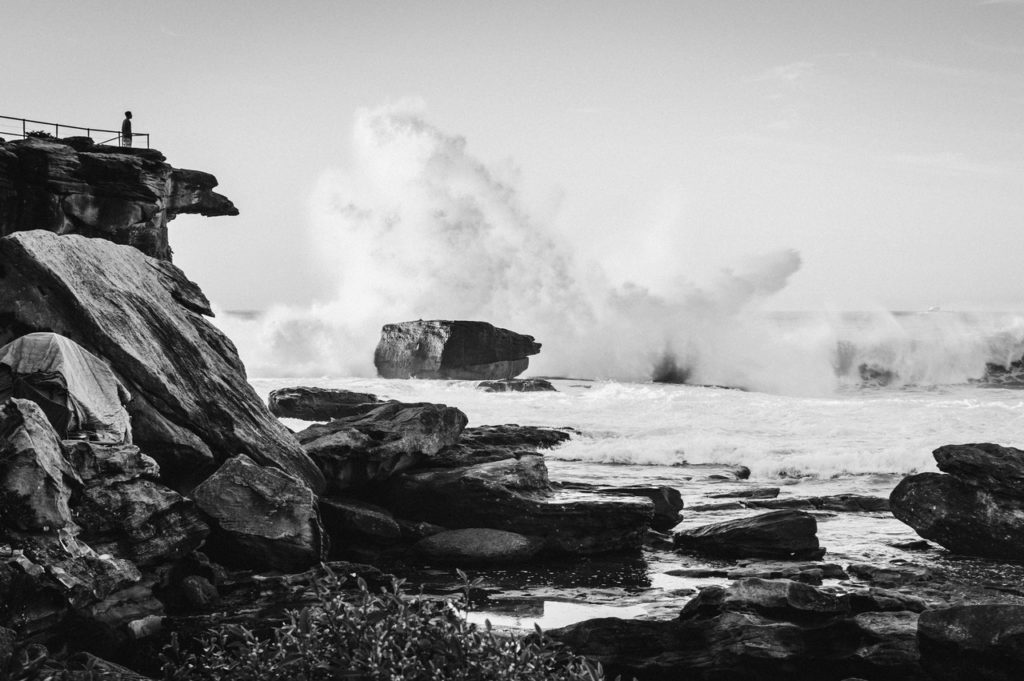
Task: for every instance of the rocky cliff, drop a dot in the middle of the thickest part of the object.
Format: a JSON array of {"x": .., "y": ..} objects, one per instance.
[{"x": 127, "y": 196}]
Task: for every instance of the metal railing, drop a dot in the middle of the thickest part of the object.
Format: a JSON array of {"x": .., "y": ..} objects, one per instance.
[{"x": 25, "y": 131}]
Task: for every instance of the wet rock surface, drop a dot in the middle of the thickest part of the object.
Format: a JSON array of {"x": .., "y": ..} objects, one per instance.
[
  {"x": 783, "y": 535},
  {"x": 319, "y": 404},
  {"x": 466, "y": 350}
]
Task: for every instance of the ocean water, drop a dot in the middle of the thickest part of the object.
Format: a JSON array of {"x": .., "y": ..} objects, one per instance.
[{"x": 858, "y": 437}]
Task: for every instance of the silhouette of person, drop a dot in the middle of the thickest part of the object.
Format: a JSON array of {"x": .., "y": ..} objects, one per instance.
[{"x": 126, "y": 130}]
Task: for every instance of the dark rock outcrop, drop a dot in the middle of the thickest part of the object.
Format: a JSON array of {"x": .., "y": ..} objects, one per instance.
[
  {"x": 478, "y": 546},
  {"x": 780, "y": 535},
  {"x": 514, "y": 495},
  {"x": 124, "y": 195},
  {"x": 517, "y": 385},
  {"x": 754, "y": 630},
  {"x": 262, "y": 518},
  {"x": 124, "y": 511},
  {"x": 372, "y": 447},
  {"x": 319, "y": 404},
  {"x": 453, "y": 350},
  {"x": 351, "y": 522},
  {"x": 984, "y": 642},
  {"x": 36, "y": 481},
  {"x": 191, "y": 405},
  {"x": 976, "y": 508}
]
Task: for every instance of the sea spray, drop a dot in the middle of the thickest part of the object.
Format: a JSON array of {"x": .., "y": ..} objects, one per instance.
[{"x": 417, "y": 227}]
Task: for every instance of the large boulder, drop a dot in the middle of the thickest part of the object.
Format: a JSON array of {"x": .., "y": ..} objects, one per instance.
[
  {"x": 984, "y": 642},
  {"x": 124, "y": 195},
  {"x": 453, "y": 350},
  {"x": 976, "y": 508},
  {"x": 781, "y": 535},
  {"x": 319, "y": 404},
  {"x": 371, "y": 447},
  {"x": 191, "y": 406},
  {"x": 124, "y": 511},
  {"x": 754, "y": 630},
  {"x": 514, "y": 495},
  {"x": 262, "y": 518},
  {"x": 36, "y": 481}
]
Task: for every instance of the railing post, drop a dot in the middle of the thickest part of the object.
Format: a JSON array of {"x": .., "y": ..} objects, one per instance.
[{"x": 23, "y": 133}]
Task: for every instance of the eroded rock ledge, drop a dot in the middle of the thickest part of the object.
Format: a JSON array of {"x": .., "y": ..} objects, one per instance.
[{"x": 127, "y": 196}]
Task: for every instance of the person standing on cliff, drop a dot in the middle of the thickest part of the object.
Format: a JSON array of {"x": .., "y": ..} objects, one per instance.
[{"x": 126, "y": 130}]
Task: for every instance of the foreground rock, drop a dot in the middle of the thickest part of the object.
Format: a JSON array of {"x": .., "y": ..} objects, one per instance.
[
  {"x": 453, "y": 350},
  {"x": 756, "y": 629},
  {"x": 372, "y": 447},
  {"x": 319, "y": 404},
  {"x": 784, "y": 535},
  {"x": 191, "y": 406},
  {"x": 973, "y": 642},
  {"x": 124, "y": 195},
  {"x": 976, "y": 508},
  {"x": 514, "y": 495},
  {"x": 478, "y": 546},
  {"x": 263, "y": 518},
  {"x": 36, "y": 481}
]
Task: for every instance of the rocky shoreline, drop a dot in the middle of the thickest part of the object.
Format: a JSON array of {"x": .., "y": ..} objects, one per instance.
[{"x": 211, "y": 510}]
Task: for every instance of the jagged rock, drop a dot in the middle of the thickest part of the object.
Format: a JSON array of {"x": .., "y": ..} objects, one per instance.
[
  {"x": 780, "y": 535},
  {"x": 111, "y": 193},
  {"x": 453, "y": 350},
  {"x": 320, "y": 404},
  {"x": 124, "y": 511},
  {"x": 996, "y": 469},
  {"x": 477, "y": 546},
  {"x": 973, "y": 642},
  {"x": 348, "y": 521},
  {"x": 374, "y": 446},
  {"x": 191, "y": 405},
  {"x": 480, "y": 444},
  {"x": 55, "y": 580},
  {"x": 262, "y": 518},
  {"x": 514, "y": 495},
  {"x": 752, "y": 631},
  {"x": 516, "y": 385},
  {"x": 36, "y": 481}
]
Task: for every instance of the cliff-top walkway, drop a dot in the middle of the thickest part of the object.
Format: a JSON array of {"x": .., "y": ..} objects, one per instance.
[{"x": 11, "y": 126}]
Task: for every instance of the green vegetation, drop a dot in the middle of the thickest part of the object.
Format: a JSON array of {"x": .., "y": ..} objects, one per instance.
[{"x": 375, "y": 636}]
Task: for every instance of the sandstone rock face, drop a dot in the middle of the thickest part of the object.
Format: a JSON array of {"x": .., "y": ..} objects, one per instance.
[
  {"x": 125, "y": 512},
  {"x": 754, "y": 630},
  {"x": 977, "y": 508},
  {"x": 514, "y": 495},
  {"x": 374, "y": 446},
  {"x": 478, "y": 546},
  {"x": 517, "y": 385},
  {"x": 263, "y": 518},
  {"x": 125, "y": 196},
  {"x": 453, "y": 350},
  {"x": 320, "y": 404},
  {"x": 191, "y": 405},
  {"x": 35, "y": 479},
  {"x": 779, "y": 535},
  {"x": 973, "y": 642}
]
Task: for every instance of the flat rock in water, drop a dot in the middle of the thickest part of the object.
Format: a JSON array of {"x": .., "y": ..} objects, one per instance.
[
  {"x": 784, "y": 535},
  {"x": 462, "y": 350},
  {"x": 849, "y": 503},
  {"x": 893, "y": 575},
  {"x": 372, "y": 447},
  {"x": 514, "y": 495},
  {"x": 192, "y": 407},
  {"x": 263, "y": 518},
  {"x": 808, "y": 573},
  {"x": 319, "y": 404},
  {"x": 516, "y": 385},
  {"x": 475, "y": 546},
  {"x": 751, "y": 493}
]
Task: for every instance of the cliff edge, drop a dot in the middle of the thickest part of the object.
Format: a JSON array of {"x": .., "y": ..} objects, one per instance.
[{"x": 124, "y": 195}]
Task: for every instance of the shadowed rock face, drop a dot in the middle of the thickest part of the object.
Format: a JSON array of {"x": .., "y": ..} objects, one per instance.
[
  {"x": 124, "y": 195},
  {"x": 458, "y": 350},
  {"x": 191, "y": 406}
]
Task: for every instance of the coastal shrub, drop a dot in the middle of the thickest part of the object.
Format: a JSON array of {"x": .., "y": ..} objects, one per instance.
[
  {"x": 41, "y": 134},
  {"x": 369, "y": 636}
]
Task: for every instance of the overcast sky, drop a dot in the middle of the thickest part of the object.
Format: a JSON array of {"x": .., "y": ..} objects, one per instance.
[{"x": 883, "y": 140}]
